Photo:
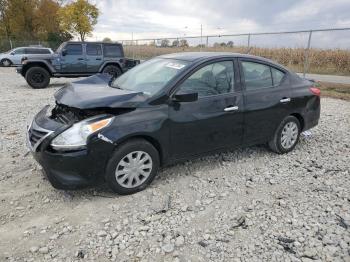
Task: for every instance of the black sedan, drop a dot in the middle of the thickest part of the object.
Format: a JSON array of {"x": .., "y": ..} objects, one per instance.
[{"x": 170, "y": 108}]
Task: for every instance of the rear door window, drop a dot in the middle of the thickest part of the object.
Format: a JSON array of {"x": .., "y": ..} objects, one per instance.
[
  {"x": 37, "y": 51},
  {"x": 256, "y": 75},
  {"x": 93, "y": 49},
  {"x": 74, "y": 49},
  {"x": 44, "y": 51},
  {"x": 112, "y": 51},
  {"x": 19, "y": 51}
]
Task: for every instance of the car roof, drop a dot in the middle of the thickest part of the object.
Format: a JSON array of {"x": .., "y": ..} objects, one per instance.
[
  {"x": 32, "y": 47},
  {"x": 200, "y": 56},
  {"x": 79, "y": 42}
]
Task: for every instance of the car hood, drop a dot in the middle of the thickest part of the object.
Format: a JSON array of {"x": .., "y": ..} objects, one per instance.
[
  {"x": 40, "y": 56},
  {"x": 94, "y": 92}
]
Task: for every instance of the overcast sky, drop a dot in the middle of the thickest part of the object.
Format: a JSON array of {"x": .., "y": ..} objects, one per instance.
[{"x": 179, "y": 18}]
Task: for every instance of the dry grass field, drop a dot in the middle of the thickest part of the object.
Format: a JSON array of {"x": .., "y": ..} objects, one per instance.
[
  {"x": 340, "y": 91},
  {"x": 321, "y": 61}
]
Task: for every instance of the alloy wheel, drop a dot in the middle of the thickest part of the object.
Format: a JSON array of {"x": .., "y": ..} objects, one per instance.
[{"x": 289, "y": 135}]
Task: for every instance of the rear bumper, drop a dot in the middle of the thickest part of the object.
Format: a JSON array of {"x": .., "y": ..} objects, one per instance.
[{"x": 312, "y": 113}]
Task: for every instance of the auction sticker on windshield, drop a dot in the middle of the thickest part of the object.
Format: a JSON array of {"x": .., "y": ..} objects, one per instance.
[{"x": 175, "y": 65}]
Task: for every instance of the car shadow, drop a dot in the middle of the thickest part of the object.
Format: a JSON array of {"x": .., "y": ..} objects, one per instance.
[{"x": 187, "y": 168}]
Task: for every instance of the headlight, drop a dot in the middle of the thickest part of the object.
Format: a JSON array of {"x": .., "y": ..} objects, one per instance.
[{"x": 76, "y": 136}]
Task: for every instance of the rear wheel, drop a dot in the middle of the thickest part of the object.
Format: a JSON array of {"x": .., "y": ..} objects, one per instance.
[
  {"x": 112, "y": 70},
  {"x": 37, "y": 77},
  {"x": 286, "y": 136},
  {"x": 6, "y": 62},
  {"x": 132, "y": 167}
]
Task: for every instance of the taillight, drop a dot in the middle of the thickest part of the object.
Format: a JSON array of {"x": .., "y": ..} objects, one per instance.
[{"x": 316, "y": 91}]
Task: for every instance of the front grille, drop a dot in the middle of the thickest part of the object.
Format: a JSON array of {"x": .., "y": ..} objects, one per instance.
[{"x": 36, "y": 135}]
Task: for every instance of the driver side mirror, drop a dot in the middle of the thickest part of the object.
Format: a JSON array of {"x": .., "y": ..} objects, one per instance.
[
  {"x": 189, "y": 97},
  {"x": 12, "y": 53},
  {"x": 64, "y": 52}
]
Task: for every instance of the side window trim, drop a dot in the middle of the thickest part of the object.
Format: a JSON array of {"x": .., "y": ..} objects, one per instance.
[{"x": 200, "y": 66}]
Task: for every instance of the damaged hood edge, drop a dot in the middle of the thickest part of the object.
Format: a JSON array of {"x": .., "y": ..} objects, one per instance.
[{"x": 94, "y": 92}]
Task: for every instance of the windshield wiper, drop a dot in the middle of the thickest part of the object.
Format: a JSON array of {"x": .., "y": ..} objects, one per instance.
[{"x": 116, "y": 86}]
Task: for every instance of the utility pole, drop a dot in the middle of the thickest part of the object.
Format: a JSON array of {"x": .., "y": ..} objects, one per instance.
[
  {"x": 132, "y": 45},
  {"x": 200, "y": 49},
  {"x": 306, "y": 62}
]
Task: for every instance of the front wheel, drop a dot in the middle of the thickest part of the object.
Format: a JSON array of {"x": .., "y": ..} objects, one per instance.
[
  {"x": 286, "y": 136},
  {"x": 37, "y": 77},
  {"x": 132, "y": 167}
]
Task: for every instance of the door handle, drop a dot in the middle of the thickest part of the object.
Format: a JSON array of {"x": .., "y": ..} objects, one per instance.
[
  {"x": 231, "y": 108},
  {"x": 80, "y": 58},
  {"x": 285, "y": 100},
  {"x": 98, "y": 59}
]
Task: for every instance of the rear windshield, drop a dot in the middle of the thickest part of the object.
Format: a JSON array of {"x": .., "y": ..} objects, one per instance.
[{"x": 112, "y": 51}]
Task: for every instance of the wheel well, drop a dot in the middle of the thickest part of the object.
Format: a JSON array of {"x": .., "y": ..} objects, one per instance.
[
  {"x": 152, "y": 141},
  {"x": 27, "y": 66},
  {"x": 6, "y": 59},
  {"x": 300, "y": 118},
  {"x": 115, "y": 64}
]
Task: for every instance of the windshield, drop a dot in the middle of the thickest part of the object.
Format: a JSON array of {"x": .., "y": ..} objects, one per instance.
[
  {"x": 60, "y": 48},
  {"x": 151, "y": 76}
]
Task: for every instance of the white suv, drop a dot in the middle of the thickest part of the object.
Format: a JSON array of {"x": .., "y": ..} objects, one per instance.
[{"x": 14, "y": 56}]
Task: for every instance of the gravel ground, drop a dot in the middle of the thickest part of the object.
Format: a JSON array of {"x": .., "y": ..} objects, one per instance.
[{"x": 245, "y": 205}]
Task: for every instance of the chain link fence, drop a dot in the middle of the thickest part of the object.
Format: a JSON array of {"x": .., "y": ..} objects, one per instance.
[
  {"x": 322, "y": 51},
  {"x": 325, "y": 51},
  {"x": 6, "y": 45}
]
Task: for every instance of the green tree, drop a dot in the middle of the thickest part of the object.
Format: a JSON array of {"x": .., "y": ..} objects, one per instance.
[
  {"x": 164, "y": 43},
  {"x": 56, "y": 38},
  {"x": 46, "y": 19},
  {"x": 184, "y": 43},
  {"x": 230, "y": 44},
  {"x": 107, "y": 40},
  {"x": 175, "y": 43},
  {"x": 5, "y": 28},
  {"x": 79, "y": 18},
  {"x": 22, "y": 20}
]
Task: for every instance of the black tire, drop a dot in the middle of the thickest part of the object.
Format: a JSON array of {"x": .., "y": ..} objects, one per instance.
[
  {"x": 276, "y": 142},
  {"x": 112, "y": 70},
  {"x": 37, "y": 77},
  {"x": 120, "y": 153},
  {"x": 6, "y": 62}
]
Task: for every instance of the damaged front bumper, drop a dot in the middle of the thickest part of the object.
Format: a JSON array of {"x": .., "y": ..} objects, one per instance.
[{"x": 66, "y": 169}]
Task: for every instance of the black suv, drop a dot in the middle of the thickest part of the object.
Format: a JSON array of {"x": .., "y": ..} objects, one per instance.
[
  {"x": 170, "y": 108},
  {"x": 75, "y": 59}
]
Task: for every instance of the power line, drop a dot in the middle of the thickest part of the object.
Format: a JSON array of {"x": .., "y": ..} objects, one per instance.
[{"x": 246, "y": 34}]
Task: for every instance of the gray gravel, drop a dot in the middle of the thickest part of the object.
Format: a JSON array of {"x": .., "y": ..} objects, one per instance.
[{"x": 245, "y": 205}]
